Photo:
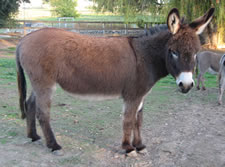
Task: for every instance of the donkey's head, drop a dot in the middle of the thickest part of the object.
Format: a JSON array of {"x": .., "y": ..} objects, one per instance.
[{"x": 183, "y": 46}]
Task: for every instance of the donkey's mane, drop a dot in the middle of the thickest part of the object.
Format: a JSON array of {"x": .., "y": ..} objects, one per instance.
[
  {"x": 156, "y": 29},
  {"x": 152, "y": 31}
]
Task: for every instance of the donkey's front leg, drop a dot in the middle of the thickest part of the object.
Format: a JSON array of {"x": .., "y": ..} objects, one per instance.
[
  {"x": 221, "y": 90},
  {"x": 129, "y": 121},
  {"x": 137, "y": 141},
  {"x": 43, "y": 115}
]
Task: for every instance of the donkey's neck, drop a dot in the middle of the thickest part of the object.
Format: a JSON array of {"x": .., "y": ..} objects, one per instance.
[{"x": 153, "y": 50}]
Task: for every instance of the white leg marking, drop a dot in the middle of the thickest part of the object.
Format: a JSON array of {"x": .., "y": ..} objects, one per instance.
[{"x": 140, "y": 106}]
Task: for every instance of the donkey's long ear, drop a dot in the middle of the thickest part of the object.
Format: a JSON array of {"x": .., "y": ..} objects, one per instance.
[
  {"x": 173, "y": 21},
  {"x": 200, "y": 24}
]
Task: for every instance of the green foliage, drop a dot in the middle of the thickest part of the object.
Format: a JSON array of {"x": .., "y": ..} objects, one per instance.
[
  {"x": 129, "y": 8},
  {"x": 191, "y": 9},
  {"x": 8, "y": 8},
  {"x": 64, "y": 8}
]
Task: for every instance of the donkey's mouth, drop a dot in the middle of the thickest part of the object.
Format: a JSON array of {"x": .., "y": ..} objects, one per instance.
[{"x": 184, "y": 90}]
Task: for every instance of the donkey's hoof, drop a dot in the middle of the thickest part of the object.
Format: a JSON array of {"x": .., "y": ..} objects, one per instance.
[
  {"x": 132, "y": 154},
  {"x": 203, "y": 88},
  {"x": 219, "y": 103},
  {"x": 140, "y": 147},
  {"x": 198, "y": 88},
  {"x": 58, "y": 153},
  {"x": 143, "y": 151},
  {"x": 34, "y": 137},
  {"x": 54, "y": 147},
  {"x": 128, "y": 148}
]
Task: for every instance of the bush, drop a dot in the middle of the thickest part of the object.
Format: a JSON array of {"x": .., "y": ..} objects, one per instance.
[{"x": 64, "y": 8}]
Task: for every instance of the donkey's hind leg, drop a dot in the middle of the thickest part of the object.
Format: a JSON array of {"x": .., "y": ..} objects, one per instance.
[
  {"x": 201, "y": 80},
  {"x": 198, "y": 82},
  {"x": 137, "y": 141},
  {"x": 30, "y": 118},
  {"x": 43, "y": 104},
  {"x": 129, "y": 121}
]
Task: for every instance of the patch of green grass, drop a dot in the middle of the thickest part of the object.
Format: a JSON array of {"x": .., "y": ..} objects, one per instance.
[
  {"x": 10, "y": 49},
  {"x": 12, "y": 115},
  {"x": 89, "y": 18},
  {"x": 4, "y": 141},
  {"x": 7, "y": 70},
  {"x": 211, "y": 80},
  {"x": 109, "y": 18},
  {"x": 12, "y": 133},
  {"x": 7, "y": 63}
]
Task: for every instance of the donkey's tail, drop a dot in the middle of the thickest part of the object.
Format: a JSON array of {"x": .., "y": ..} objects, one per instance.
[{"x": 22, "y": 88}]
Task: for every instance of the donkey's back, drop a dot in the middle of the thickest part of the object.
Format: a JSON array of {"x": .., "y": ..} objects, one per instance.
[
  {"x": 80, "y": 64},
  {"x": 207, "y": 61}
]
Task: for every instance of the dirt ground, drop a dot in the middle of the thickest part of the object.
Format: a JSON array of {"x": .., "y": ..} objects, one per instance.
[{"x": 179, "y": 131}]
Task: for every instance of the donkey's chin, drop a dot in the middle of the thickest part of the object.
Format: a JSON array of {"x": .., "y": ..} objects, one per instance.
[{"x": 184, "y": 90}]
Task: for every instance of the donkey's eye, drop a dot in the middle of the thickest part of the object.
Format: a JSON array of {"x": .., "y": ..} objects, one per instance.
[{"x": 174, "y": 55}]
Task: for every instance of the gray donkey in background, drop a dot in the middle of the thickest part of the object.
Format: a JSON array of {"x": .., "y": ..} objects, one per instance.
[
  {"x": 206, "y": 60},
  {"x": 221, "y": 79}
]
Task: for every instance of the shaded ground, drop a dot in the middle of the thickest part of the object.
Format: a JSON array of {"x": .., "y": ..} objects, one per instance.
[{"x": 179, "y": 130}]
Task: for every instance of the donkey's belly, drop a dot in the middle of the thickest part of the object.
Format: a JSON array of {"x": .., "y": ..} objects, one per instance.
[
  {"x": 96, "y": 97},
  {"x": 93, "y": 90}
]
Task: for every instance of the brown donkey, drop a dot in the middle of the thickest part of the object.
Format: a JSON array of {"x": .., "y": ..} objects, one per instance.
[{"x": 125, "y": 67}]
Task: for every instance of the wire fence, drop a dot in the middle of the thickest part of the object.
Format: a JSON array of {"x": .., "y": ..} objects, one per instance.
[{"x": 24, "y": 27}]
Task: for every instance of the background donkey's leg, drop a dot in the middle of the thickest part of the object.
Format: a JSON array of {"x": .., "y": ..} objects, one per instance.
[
  {"x": 30, "y": 118},
  {"x": 201, "y": 80},
  {"x": 198, "y": 81},
  {"x": 137, "y": 141},
  {"x": 221, "y": 89},
  {"x": 129, "y": 124},
  {"x": 43, "y": 99}
]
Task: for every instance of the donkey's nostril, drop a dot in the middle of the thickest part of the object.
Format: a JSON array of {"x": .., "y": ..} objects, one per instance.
[
  {"x": 180, "y": 84},
  {"x": 192, "y": 84}
]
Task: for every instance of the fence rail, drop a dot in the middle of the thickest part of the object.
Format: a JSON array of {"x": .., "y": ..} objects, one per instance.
[{"x": 102, "y": 27}]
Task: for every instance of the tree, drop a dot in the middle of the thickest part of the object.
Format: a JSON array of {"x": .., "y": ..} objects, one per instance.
[
  {"x": 195, "y": 8},
  {"x": 8, "y": 9},
  {"x": 189, "y": 8},
  {"x": 64, "y": 8}
]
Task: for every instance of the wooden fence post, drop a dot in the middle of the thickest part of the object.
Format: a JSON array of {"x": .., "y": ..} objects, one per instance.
[
  {"x": 125, "y": 28},
  {"x": 103, "y": 27}
]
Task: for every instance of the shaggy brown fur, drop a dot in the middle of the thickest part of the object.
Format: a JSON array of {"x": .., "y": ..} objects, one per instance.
[{"x": 103, "y": 66}]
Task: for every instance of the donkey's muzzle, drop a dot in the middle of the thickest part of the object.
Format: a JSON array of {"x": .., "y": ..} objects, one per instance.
[
  {"x": 185, "y": 82},
  {"x": 185, "y": 88}
]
